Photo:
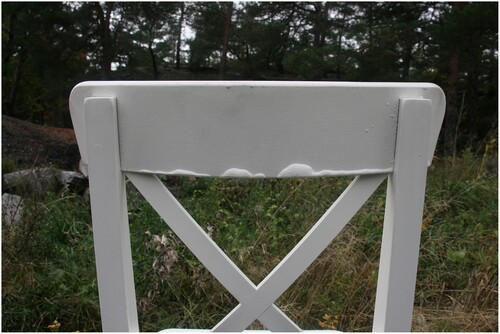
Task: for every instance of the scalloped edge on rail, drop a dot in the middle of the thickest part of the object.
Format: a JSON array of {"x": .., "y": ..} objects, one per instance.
[{"x": 291, "y": 171}]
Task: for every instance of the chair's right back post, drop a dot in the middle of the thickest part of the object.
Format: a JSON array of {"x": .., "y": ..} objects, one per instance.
[{"x": 403, "y": 218}]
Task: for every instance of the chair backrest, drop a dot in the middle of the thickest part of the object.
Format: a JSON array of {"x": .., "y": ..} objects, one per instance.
[{"x": 257, "y": 129}]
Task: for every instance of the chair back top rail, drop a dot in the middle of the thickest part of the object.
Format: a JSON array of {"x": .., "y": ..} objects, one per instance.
[{"x": 256, "y": 128}]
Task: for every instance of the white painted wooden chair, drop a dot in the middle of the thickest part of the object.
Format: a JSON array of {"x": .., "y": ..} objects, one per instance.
[{"x": 257, "y": 129}]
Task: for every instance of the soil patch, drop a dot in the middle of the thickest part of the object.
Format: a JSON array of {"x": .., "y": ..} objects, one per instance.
[{"x": 29, "y": 145}]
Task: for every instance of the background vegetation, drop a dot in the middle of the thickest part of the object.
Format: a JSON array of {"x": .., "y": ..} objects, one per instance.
[{"x": 48, "y": 272}]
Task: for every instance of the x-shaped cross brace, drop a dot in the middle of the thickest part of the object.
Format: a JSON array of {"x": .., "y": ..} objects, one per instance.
[{"x": 256, "y": 302}]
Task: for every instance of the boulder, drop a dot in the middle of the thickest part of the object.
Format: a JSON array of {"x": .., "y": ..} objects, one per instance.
[
  {"x": 35, "y": 180},
  {"x": 42, "y": 180}
]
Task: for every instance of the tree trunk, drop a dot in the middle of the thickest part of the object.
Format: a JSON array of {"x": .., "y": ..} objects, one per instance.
[
  {"x": 179, "y": 39},
  {"x": 11, "y": 99},
  {"x": 339, "y": 56},
  {"x": 104, "y": 16},
  {"x": 318, "y": 24},
  {"x": 225, "y": 40},
  {"x": 452, "y": 110},
  {"x": 8, "y": 52},
  {"x": 407, "y": 58},
  {"x": 156, "y": 75}
]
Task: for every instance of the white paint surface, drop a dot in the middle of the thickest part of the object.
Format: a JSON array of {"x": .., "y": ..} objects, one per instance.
[{"x": 217, "y": 128}]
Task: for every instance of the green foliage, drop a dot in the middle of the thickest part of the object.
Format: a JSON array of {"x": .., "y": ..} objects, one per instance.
[
  {"x": 48, "y": 271},
  {"x": 461, "y": 232},
  {"x": 38, "y": 66},
  {"x": 49, "y": 47}
]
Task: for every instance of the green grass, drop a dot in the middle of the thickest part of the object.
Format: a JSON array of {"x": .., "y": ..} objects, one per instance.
[{"x": 48, "y": 268}]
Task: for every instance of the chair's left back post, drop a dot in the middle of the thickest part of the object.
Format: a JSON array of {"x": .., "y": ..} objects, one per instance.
[{"x": 109, "y": 217}]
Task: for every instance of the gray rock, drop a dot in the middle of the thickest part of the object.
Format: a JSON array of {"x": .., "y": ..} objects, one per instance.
[
  {"x": 11, "y": 208},
  {"x": 74, "y": 180},
  {"x": 36, "y": 180},
  {"x": 42, "y": 180}
]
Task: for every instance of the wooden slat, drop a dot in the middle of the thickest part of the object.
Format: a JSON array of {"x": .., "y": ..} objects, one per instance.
[
  {"x": 109, "y": 218},
  {"x": 403, "y": 219},
  {"x": 302, "y": 255},
  {"x": 204, "y": 248},
  {"x": 255, "y": 129}
]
